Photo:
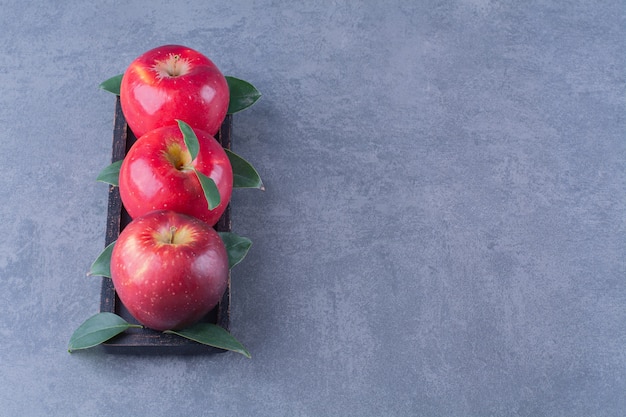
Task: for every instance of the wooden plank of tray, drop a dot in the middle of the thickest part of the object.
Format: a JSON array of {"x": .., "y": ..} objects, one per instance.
[{"x": 146, "y": 341}]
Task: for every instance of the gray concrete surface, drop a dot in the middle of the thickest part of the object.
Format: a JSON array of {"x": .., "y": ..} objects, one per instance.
[{"x": 443, "y": 231}]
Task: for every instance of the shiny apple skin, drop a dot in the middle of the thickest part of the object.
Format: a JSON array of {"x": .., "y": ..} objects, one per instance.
[
  {"x": 149, "y": 180},
  {"x": 200, "y": 97},
  {"x": 169, "y": 286}
]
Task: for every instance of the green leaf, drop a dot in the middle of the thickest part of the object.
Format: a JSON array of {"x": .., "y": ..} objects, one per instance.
[
  {"x": 242, "y": 94},
  {"x": 98, "y": 329},
  {"x": 111, "y": 174},
  {"x": 211, "y": 335},
  {"x": 211, "y": 193},
  {"x": 190, "y": 138},
  {"x": 236, "y": 246},
  {"x": 244, "y": 174},
  {"x": 101, "y": 267},
  {"x": 112, "y": 85}
]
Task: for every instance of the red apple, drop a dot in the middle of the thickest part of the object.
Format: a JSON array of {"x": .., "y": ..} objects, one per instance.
[
  {"x": 173, "y": 82},
  {"x": 169, "y": 269},
  {"x": 158, "y": 174}
]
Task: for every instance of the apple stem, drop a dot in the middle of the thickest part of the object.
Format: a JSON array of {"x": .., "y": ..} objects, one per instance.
[
  {"x": 173, "y": 70},
  {"x": 172, "y": 233}
]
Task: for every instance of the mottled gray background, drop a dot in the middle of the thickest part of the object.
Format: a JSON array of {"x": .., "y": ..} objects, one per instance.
[{"x": 443, "y": 231}]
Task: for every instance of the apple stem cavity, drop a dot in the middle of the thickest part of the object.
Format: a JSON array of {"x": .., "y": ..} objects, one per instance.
[
  {"x": 179, "y": 157},
  {"x": 174, "y": 236},
  {"x": 173, "y": 66}
]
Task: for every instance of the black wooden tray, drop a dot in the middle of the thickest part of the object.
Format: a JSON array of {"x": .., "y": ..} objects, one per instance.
[{"x": 141, "y": 340}]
